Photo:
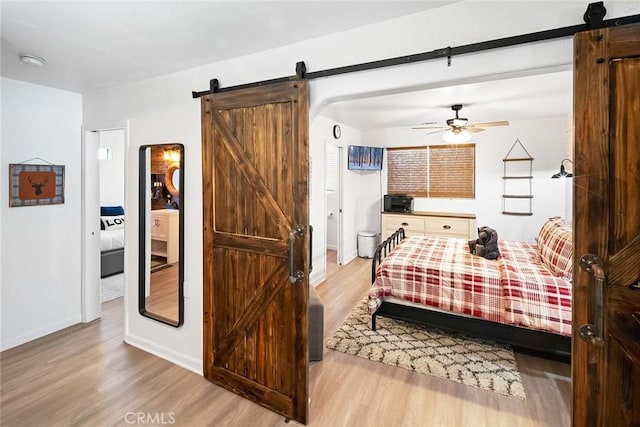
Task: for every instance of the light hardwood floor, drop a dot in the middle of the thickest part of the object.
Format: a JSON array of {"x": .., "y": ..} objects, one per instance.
[
  {"x": 86, "y": 376},
  {"x": 163, "y": 298}
]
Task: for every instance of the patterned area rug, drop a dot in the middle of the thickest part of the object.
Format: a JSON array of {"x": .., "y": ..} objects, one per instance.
[
  {"x": 466, "y": 360},
  {"x": 111, "y": 287}
]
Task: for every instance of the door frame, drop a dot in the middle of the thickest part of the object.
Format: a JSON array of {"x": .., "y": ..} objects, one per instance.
[
  {"x": 340, "y": 189},
  {"x": 90, "y": 303}
]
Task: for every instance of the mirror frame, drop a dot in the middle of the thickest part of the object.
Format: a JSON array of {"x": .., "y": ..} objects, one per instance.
[
  {"x": 143, "y": 204},
  {"x": 168, "y": 178}
]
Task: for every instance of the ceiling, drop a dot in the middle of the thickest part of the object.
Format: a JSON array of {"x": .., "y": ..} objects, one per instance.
[
  {"x": 99, "y": 44},
  {"x": 518, "y": 98}
]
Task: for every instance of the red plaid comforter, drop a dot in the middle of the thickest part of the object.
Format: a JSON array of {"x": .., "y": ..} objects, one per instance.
[{"x": 440, "y": 272}]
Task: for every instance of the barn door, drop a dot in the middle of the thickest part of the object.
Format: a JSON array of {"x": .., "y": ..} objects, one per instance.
[
  {"x": 256, "y": 242},
  {"x": 606, "y": 299}
]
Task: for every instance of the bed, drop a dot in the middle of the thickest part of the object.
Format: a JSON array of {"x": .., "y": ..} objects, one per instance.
[
  {"x": 111, "y": 240},
  {"x": 522, "y": 298}
]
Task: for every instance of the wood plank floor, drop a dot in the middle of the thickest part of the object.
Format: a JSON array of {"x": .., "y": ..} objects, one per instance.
[
  {"x": 86, "y": 376},
  {"x": 163, "y": 298}
]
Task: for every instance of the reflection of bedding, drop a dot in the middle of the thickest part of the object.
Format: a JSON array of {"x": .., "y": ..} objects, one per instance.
[{"x": 111, "y": 239}]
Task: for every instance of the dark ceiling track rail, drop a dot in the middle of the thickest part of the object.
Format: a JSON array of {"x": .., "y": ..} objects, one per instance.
[{"x": 593, "y": 18}]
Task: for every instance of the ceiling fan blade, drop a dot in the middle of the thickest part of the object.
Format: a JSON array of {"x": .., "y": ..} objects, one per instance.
[
  {"x": 489, "y": 124},
  {"x": 431, "y": 127},
  {"x": 436, "y": 131},
  {"x": 472, "y": 129}
]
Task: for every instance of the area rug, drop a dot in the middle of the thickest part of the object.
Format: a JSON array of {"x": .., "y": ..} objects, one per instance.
[
  {"x": 466, "y": 360},
  {"x": 111, "y": 287}
]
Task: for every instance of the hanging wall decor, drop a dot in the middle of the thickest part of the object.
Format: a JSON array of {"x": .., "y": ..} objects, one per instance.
[
  {"x": 517, "y": 179},
  {"x": 35, "y": 185}
]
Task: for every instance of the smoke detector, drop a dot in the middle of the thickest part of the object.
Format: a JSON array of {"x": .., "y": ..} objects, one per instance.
[{"x": 32, "y": 59}]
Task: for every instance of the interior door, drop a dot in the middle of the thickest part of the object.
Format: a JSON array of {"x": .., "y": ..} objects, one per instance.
[
  {"x": 256, "y": 244},
  {"x": 91, "y": 307},
  {"x": 606, "y": 300}
]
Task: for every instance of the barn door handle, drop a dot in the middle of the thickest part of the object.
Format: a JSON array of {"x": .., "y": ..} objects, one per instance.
[
  {"x": 593, "y": 332},
  {"x": 295, "y": 276},
  {"x": 310, "y": 248}
]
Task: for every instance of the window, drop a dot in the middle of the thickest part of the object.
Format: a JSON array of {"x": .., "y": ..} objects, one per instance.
[
  {"x": 407, "y": 171},
  {"x": 433, "y": 171}
]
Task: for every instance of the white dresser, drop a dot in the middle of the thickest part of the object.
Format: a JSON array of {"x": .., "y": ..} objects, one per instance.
[
  {"x": 164, "y": 233},
  {"x": 443, "y": 224}
]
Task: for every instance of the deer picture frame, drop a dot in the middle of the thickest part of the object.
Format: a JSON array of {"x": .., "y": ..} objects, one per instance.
[{"x": 35, "y": 185}]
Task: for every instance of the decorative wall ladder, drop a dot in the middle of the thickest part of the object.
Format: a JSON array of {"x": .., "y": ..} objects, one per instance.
[{"x": 517, "y": 194}]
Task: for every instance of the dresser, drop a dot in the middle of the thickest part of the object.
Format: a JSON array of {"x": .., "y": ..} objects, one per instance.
[
  {"x": 164, "y": 233},
  {"x": 443, "y": 224}
]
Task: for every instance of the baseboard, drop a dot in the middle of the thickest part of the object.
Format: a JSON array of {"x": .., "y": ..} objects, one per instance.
[
  {"x": 40, "y": 332},
  {"x": 349, "y": 257},
  {"x": 332, "y": 247},
  {"x": 165, "y": 353}
]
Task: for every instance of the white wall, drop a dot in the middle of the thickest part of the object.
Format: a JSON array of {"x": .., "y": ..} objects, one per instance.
[
  {"x": 161, "y": 110},
  {"x": 40, "y": 282},
  {"x": 544, "y": 139},
  {"x": 112, "y": 170}
]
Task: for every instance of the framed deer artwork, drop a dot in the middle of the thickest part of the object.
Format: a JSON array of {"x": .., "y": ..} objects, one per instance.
[{"x": 35, "y": 185}]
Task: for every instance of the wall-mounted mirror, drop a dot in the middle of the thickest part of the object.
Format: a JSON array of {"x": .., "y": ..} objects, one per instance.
[{"x": 161, "y": 227}]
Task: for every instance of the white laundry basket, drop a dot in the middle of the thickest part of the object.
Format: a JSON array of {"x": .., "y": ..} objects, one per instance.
[{"x": 367, "y": 242}]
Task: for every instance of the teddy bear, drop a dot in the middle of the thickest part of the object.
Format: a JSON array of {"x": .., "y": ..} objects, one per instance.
[{"x": 486, "y": 245}]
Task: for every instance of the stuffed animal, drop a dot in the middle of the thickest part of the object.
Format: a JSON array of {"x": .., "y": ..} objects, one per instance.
[{"x": 486, "y": 245}]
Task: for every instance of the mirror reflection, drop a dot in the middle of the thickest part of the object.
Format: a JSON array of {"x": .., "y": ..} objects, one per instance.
[{"x": 161, "y": 233}]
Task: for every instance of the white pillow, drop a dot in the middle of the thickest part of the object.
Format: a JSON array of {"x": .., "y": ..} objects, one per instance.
[{"x": 111, "y": 222}]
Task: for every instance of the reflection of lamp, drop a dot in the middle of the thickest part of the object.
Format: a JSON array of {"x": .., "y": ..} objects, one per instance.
[
  {"x": 456, "y": 136},
  {"x": 563, "y": 173},
  {"x": 172, "y": 155}
]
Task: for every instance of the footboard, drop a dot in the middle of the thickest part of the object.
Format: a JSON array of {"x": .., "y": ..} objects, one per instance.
[{"x": 384, "y": 248}]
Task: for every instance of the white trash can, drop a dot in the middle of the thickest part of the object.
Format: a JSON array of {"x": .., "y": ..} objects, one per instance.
[{"x": 367, "y": 242}]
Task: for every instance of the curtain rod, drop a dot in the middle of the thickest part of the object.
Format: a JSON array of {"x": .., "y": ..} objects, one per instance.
[{"x": 593, "y": 18}]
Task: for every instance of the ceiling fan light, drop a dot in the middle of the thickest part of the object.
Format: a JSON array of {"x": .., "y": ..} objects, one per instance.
[{"x": 459, "y": 137}]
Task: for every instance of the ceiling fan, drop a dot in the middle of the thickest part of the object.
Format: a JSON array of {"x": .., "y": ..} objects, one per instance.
[{"x": 458, "y": 128}]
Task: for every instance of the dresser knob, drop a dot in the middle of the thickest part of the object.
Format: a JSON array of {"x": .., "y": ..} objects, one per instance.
[
  {"x": 404, "y": 224},
  {"x": 446, "y": 227}
]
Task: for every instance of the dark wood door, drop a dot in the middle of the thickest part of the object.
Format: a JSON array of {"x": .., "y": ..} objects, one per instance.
[
  {"x": 255, "y": 179},
  {"x": 606, "y": 360}
]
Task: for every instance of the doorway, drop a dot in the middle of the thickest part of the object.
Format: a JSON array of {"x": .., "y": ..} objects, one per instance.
[{"x": 107, "y": 140}]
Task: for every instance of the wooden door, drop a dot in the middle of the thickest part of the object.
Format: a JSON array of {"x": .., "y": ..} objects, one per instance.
[
  {"x": 606, "y": 369},
  {"x": 255, "y": 195}
]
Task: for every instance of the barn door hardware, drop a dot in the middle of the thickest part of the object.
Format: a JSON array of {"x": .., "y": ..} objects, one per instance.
[
  {"x": 593, "y": 332},
  {"x": 295, "y": 276}
]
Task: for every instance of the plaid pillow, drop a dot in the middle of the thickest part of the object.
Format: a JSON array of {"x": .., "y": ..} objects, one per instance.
[{"x": 555, "y": 244}]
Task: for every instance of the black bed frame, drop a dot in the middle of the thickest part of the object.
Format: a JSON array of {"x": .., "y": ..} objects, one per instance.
[
  {"x": 111, "y": 262},
  {"x": 529, "y": 339}
]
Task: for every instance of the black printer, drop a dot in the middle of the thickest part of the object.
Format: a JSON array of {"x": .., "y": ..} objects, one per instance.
[{"x": 398, "y": 203}]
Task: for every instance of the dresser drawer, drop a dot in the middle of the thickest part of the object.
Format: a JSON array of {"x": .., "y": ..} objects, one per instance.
[
  {"x": 447, "y": 227},
  {"x": 159, "y": 227},
  {"x": 413, "y": 226}
]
